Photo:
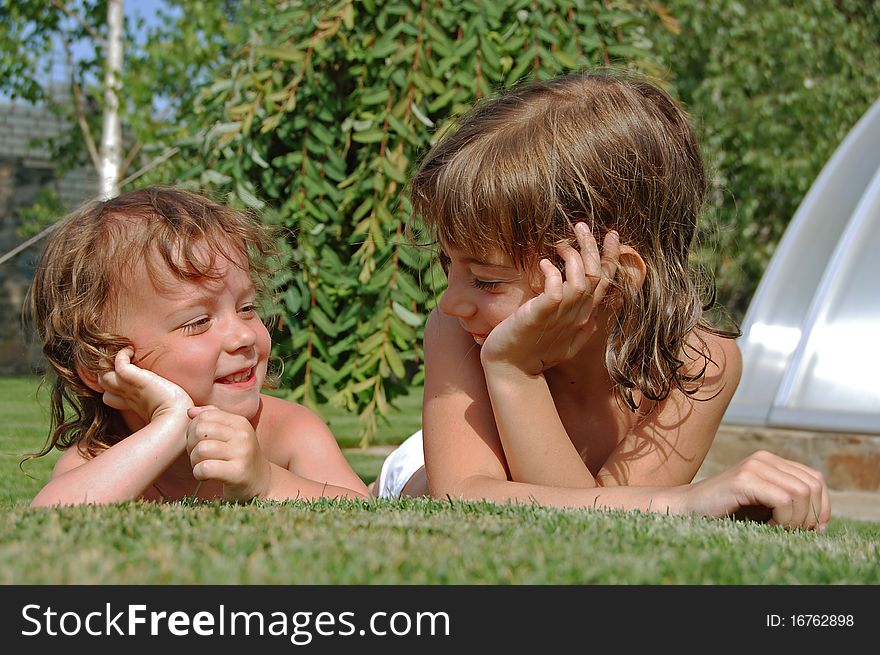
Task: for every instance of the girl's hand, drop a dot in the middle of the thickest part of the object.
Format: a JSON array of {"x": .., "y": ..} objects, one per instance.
[
  {"x": 554, "y": 326},
  {"x": 224, "y": 447},
  {"x": 129, "y": 387},
  {"x": 764, "y": 487}
]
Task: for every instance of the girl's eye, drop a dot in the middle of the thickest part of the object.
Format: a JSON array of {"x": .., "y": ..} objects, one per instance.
[
  {"x": 248, "y": 309},
  {"x": 444, "y": 262},
  {"x": 485, "y": 285},
  {"x": 197, "y": 326}
]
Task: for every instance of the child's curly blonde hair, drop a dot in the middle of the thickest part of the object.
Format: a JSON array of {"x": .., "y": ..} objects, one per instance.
[
  {"x": 610, "y": 149},
  {"x": 73, "y": 298}
]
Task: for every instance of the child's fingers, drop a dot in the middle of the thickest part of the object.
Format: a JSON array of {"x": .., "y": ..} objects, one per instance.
[
  {"x": 112, "y": 400},
  {"x": 209, "y": 469},
  {"x": 215, "y": 424},
  {"x": 123, "y": 358},
  {"x": 609, "y": 262},
  {"x": 589, "y": 250},
  {"x": 809, "y": 506},
  {"x": 192, "y": 412},
  {"x": 819, "y": 490},
  {"x": 552, "y": 281},
  {"x": 793, "y": 496},
  {"x": 208, "y": 449},
  {"x": 575, "y": 277}
]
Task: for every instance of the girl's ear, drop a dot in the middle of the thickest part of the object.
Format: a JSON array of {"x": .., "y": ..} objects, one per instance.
[
  {"x": 632, "y": 265},
  {"x": 89, "y": 378}
]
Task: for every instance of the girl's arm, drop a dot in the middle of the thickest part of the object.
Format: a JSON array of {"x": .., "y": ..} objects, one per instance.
[
  {"x": 290, "y": 455},
  {"x": 126, "y": 470},
  {"x": 549, "y": 329},
  {"x": 464, "y": 456}
]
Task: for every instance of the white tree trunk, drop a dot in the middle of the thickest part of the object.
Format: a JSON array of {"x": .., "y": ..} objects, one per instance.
[{"x": 111, "y": 133}]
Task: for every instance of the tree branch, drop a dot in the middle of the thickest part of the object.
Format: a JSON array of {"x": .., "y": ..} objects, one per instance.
[
  {"x": 88, "y": 28},
  {"x": 79, "y": 111}
]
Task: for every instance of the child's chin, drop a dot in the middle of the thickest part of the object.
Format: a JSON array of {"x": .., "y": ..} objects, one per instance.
[{"x": 246, "y": 407}]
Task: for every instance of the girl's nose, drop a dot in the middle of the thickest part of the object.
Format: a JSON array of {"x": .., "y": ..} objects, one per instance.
[
  {"x": 241, "y": 334},
  {"x": 455, "y": 301}
]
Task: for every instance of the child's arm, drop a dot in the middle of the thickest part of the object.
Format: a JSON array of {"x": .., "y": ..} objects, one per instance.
[
  {"x": 464, "y": 455},
  {"x": 291, "y": 455},
  {"x": 126, "y": 470},
  {"x": 545, "y": 331}
]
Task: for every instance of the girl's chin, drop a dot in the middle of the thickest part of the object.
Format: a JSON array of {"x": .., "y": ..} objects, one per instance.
[{"x": 246, "y": 407}]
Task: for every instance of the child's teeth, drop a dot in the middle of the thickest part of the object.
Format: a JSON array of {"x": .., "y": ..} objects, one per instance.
[{"x": 238, "y": 377}]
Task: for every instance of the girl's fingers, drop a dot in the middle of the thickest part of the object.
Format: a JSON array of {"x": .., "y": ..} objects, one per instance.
[
  {"x": 552, "y": 280},
  {"x": 820, "y": 501},
  {"x": 192, "y": 412},
  {"x": 589, "y": 250},
  {"x": 208, "y": 449},
  {"x": 609, "y": 262},
  {"x": 794, "y": 492},
  {"x": 575, "y": 276},
  {"x": 810, "y": 506},
  {"x": 123, "y": 358}
]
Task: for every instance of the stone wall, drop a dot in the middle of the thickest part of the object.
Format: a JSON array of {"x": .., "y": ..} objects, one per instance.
[
  {"x": 848, "y": 461},
  {"x": 25, "y": 168}
]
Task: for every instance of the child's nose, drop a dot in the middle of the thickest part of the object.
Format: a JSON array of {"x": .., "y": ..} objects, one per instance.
[
  {"x": 241, "y": 334},
  {"x": 455, "y": 301}
]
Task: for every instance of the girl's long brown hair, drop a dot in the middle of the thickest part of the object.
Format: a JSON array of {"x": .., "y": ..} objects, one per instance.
[{"x": 613, "y": 150}]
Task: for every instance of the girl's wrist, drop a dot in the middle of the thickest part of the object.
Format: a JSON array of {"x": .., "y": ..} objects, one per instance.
[
  {"x": 171, "y": 415},
  {"x": 673, "y": 500},
  {"x": 493, "y": 364}
]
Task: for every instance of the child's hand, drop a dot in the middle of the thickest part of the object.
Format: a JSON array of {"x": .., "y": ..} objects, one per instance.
[
  {"x": 764, "y": 487},
  {"x": 129, "y": 387},
  {"x": 224, "y": 447},
  {"x": 554, "y": 326}
]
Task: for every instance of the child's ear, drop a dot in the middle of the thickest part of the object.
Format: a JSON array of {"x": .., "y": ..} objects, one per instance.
[
  {"x": 632, "y": 265},
  {"x": 89, "y": 378}
]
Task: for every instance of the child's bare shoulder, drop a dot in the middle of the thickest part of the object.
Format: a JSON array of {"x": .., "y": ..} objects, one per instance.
[
  {"x": 287, "y": 423},
  {"x": 279, "y": 412},
  {"x": 720, "y": 356}
]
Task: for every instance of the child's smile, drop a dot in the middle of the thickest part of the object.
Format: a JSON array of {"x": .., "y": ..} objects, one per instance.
[{"x": 202, "y": 334}]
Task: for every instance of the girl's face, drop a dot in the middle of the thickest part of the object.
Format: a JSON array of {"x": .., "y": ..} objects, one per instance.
[
  {"x": 483, "y": 291},
  {"x": 204, "y": 335}
]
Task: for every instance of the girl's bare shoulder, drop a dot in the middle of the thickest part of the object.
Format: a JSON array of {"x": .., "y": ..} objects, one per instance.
[
  {"x": 284, "y": 422},
  {"x": 717, "y": 357}
]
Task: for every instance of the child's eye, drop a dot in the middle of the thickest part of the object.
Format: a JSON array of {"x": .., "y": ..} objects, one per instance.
[
  {"x": 444, "y": 262},
  {"x": 197, "y": 326},
  {"x": 485, "y": 285},
  {"x": 248, "y": 309}
]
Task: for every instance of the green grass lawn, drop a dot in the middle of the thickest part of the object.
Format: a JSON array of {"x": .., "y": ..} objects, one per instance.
[{"x": 388, "y": 542}]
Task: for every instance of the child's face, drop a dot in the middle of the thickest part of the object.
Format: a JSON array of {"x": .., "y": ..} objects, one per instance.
[
  {"x": 482, "y": 291},
  {"x": 204, "y": 335}
]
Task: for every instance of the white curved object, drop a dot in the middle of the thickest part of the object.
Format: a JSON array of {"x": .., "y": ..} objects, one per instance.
[{"x": 811, "y": 336}]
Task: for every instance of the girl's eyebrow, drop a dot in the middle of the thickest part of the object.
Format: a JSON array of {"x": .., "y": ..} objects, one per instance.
[
  {"x": 482, "y": 262},
  {"x": 476, "y": 261}
]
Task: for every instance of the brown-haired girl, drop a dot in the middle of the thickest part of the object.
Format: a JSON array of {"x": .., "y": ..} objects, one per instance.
[
  {"x": 146, "y": 308},
  {"x": 594, "y": 381}
]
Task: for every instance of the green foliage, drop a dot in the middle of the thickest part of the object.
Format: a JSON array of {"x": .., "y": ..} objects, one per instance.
[
  {"x": 164, "y": 64},
  {"x": 44, "y": 211},
  {"x": 323, "y": 116},
  {"x": 774, "y": 88}
]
